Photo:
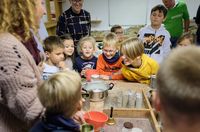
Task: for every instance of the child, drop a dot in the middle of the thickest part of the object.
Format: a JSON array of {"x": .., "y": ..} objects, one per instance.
[
  {"x": 136, "y": 65},
  {"x": 69, "y": 50},
  {"x": 54, "y": 50},
  {"x": 118, "y": 30},
  {"x": 86, "y": 60},
  {"x": 61, "y": 96},
  {"x": 186, "y": 40},
  {"x": 178, "y": 84},
  {"x": 109, "y": 62},
  {"x": 155, "y": 37}
]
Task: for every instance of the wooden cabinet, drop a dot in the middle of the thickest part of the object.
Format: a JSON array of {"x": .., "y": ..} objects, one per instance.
[{"x": 53, "y": 9}]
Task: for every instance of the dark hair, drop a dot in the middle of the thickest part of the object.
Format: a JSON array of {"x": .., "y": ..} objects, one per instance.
[
  {"x": 52, "y": 42},
  {"x": 160, "y": 8},
  {"x": 114, "y": 28},
  {"x": 66, "y": 37}
]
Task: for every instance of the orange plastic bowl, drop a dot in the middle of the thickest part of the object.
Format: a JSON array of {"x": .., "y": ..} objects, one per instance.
[{"x": 96, "y": 118}]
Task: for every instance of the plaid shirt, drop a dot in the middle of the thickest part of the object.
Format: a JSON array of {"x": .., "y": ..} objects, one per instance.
[{"x": 77, "y": 25}]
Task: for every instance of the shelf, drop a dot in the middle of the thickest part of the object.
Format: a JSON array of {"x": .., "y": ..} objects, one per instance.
[
  {"x": 50, "y": 24},
  {"x": 95, "y": 21}
]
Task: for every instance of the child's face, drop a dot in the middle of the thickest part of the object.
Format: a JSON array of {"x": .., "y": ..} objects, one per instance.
[
  {"x": 55, "y": 56},
  {"x": 69, "y": 47},
  {"x": 184, "y": 42},
  {"x": 109, "y": 51},
  {"x": 156, "y": 18},
  {"x": 128, "y": 61},
  {"x": 87, "y": 49}
]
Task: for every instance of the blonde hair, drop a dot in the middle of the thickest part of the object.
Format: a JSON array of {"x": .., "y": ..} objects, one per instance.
[
  {"x": 61, "y": 93},
  {"x": 16, "y": 15},
  {"x": 132, "y": 48},
  {"x": 86, "y": 39},
  {"x": 111, "y": 40},
  {"x": 189, "y": 36},
  {"x": 178, "y": 84}
]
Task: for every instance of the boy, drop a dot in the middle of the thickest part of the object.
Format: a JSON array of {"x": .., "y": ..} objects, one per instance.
[
  {"x": 54, "y": 50},
  {"x": 86, "y": 60},
  {"x": 155, "y": 37},
  {"x": 109, "y": 62},
  {"x": 137, "y": 66},
  {"x": 118, "y": 30},
  {"x": 61, "y": 96},
  {"x": 177, "y": 96}
]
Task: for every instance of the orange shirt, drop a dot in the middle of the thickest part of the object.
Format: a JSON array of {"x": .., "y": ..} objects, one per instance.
[{"x": 112, "y": 70}]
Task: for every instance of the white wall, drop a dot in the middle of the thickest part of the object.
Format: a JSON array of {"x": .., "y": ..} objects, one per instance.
[{"x": 100, "y": 9}]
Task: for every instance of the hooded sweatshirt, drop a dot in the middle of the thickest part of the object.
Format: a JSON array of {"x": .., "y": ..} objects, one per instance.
[{"x": 156, "y": 42}]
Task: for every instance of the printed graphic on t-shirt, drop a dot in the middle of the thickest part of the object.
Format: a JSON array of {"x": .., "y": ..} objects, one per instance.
[
  {"x": 88, "y": 65},
  {"x": 152, "y": 43}
]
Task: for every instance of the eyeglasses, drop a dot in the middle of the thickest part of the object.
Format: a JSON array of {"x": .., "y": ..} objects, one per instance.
[
  {"x": 77, "y": 1},
  {"x": 119, "y": 33},
  {"x": 109, "y": 51}
]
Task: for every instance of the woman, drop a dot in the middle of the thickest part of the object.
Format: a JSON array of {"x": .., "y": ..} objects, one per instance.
[{"x": 19, "y": 75}]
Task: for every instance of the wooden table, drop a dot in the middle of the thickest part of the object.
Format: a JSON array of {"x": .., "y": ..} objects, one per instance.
[
  {"x": 132, "y": 114},
  {"x": 117, "y": 91}
]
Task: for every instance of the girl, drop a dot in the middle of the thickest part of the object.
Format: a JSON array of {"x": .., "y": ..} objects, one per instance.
[
  {"x": 186, "y": 40},
  {"x": 69, "y": 50}
]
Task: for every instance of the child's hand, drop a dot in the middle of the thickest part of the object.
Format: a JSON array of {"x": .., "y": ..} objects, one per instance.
[
  {"x": 78, "y": 117},
  {"x": 105, "y": 77},
  {"x": 118, "y": 72},
  {"x": 83, "y": 72},
  {"x": 62, "y": 65}
]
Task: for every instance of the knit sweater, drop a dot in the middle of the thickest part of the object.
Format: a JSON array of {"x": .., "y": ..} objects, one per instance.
[{"x": 19, "y": 78}]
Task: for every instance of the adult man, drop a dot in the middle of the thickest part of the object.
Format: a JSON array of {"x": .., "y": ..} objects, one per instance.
[
  {"x": 177, "y": 12},
  {"x": 74, "y": 21},
  {"x": 197, "y": 20},
  {"x": 177, "y": 96}
]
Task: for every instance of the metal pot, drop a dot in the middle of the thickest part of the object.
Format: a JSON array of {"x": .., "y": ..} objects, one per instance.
[{"x": 98, "y": 90}]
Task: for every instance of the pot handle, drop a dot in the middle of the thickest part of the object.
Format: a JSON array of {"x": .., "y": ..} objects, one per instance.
[
  {"x": 83, "y": 89},
  {"x": 111, "y": 85}
]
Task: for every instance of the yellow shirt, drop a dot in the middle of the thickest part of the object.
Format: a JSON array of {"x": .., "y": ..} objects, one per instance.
[{"x": 143, "y": 73}]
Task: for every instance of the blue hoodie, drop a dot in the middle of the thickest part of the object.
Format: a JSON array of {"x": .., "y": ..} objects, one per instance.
[{"x": 55, "y": 123}]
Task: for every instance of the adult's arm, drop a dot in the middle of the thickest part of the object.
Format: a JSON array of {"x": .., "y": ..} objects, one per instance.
[
  {"x": 197, "y": 20},
  {"x": 186, "y": 25},
  {"x": 61, "y": 26}
]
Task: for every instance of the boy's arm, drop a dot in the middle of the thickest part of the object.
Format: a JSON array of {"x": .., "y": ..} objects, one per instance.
[
  {"x": 167, "y": 44},
  {"x": 101, "y": 66},
  {"x": 117, "y": 76},
  {"x": 140, "y": 34}
]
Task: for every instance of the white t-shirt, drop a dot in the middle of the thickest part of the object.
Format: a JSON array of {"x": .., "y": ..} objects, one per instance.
[{"x": 48, "y": 71}]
